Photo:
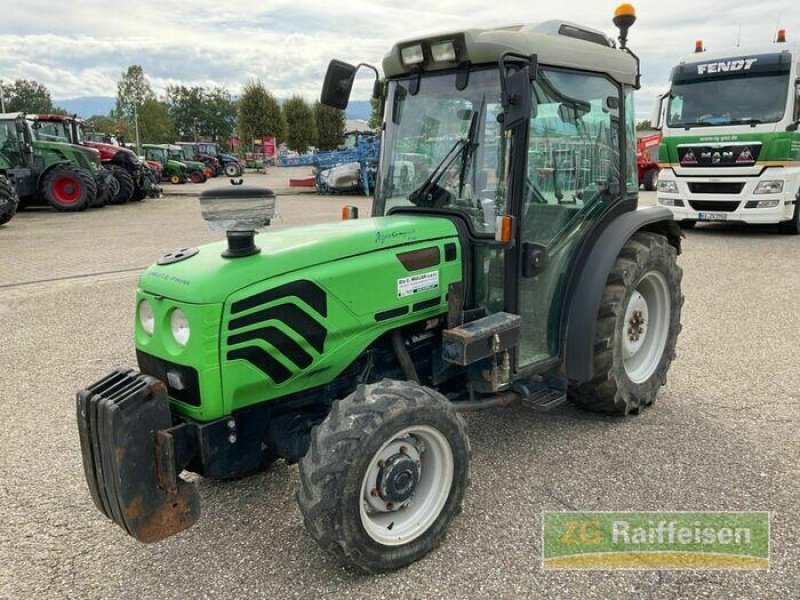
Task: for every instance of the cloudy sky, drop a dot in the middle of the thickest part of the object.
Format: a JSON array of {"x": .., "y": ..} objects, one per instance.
[{"x": 80, "y": 48}]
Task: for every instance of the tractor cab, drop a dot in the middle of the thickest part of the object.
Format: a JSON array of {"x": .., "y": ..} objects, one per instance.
[{"x": 175, "y": 170}]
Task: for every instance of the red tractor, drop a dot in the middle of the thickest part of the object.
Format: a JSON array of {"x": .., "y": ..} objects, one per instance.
[
  {"x": 135, "y": 177},
  {"x": 647, "y": 160}
]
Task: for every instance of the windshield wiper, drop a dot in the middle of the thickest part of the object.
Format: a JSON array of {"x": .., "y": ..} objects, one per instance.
[{"x": 423, "y": 194}]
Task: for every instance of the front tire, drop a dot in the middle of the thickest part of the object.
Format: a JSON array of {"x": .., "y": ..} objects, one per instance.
[
  {"x": 10, "y": 202},
  {"x": 65, "y": 189},
  {"x": 126, "y": 185},
  {"x": 385, "y": 475},
  {"x": 637, "y": 327},
  {"x": 232, "y": 170}
]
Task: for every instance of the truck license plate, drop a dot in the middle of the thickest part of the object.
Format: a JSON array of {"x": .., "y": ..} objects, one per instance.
[{"x": 712, "y": 216}]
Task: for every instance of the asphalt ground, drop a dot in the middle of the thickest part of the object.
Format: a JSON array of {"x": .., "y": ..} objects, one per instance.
[{"x": 723, "y": 434}]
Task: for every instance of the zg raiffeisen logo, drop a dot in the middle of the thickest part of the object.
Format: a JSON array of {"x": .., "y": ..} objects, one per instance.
[{"x": 656, "y": 540}]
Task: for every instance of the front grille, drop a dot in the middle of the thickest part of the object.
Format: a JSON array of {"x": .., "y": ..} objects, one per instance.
[
  {"x": 159, "y": 368},
  {"x": 714, "y": 206},
  {"x": 717, "y": 187}
]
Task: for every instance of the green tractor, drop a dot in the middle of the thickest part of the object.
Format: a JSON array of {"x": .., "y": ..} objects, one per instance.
[
  {"x": 516, "y": 268},
  {"x": 50, "y": 171},
  {"x": 174, "y": 171},
  {"x": 198, "y": 172}
]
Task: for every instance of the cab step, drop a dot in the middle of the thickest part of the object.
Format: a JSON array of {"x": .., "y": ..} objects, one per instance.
[{"x": 540, "y": 395}]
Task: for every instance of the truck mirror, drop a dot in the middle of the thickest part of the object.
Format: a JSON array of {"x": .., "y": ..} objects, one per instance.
[
  {"x": 338, "y": 84},
  {"x": 517, "y": 102},
  {"x": 239, "y": 211}
]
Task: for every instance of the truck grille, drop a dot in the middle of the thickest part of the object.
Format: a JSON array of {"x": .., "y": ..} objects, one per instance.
[
  {"x": 717, "y": 187},
  {"x": 715, "y": 205}
]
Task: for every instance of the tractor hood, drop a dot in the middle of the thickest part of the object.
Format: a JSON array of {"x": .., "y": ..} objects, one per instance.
[
  {"x": 207, "y": 277},
  {"x": 109, "y": 151}
]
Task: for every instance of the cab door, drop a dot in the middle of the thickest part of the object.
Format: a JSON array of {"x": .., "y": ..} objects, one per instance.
[{"x": 572, "y": 177}]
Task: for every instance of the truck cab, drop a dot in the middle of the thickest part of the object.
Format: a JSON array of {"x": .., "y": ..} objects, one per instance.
[{"x": 731, "y": 147}]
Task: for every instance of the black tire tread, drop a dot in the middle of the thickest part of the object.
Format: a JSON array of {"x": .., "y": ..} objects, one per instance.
[
  {"x": 8, "y": 193},
  {"x": 89, "y": 189},
  {"x": 339, "y": 438},
  {"x": 126, "y": 185},
  {"x": 604, "y": 394}
]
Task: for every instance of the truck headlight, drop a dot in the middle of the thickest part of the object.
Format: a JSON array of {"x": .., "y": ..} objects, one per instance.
[
  {"x": 180, "y": 326},
  {"x": 769, "y": 187},
  {"x": 668, "y": 187},
  {"x": 147, "y": 318}
]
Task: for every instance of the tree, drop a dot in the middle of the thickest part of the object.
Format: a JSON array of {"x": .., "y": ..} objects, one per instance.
[
  {"x": 330, "y": 126},
  {"x": 132, "y": 91},
  {"x": 198, "y": 112},
  {"x": 27, "y": 95},
  {"x": 646, "y": 124},
  {"x": 376, "y": 116},
  {"x": 105, "y": 124},
  {"x": 220, "y": 114},
  {"x": 260, "y": 114},
  {"x": 155, "y": 125},
  {"x": 301, "y": 128}
]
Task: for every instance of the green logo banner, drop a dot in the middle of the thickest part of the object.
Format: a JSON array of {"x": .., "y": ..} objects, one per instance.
[{"x": 655, "y": 540}]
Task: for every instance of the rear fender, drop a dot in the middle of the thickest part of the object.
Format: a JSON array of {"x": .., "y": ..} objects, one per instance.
[{"x": 591, "y": 281}]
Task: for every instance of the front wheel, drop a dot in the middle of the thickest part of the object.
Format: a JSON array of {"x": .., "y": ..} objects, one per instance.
[
  {"x": 198, "y": 177},
  {"x": 650, "y": 179},
  {"x": 637, "y": 328},
  {"x": 68, "y": 188},
  {"x": 232, "y": 170},
  {"x": 385, "y": 475}
]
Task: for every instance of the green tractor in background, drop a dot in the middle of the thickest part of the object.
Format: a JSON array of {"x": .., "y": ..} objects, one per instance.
[
  {"x": 516, "y": 267},
  {"x": 54, "y": 172},
  {"x": 198, "y": 171},
  {"x": 174, "y": 171}
]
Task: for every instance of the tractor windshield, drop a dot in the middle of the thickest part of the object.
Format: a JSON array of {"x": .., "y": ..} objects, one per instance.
[
  {"x": 444, "y": 148},
  {"x": 52, "y": 131}
]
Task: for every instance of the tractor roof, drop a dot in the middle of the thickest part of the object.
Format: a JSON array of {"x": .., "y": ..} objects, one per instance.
[
  {"x": 556, "y": 43},
  {"x": 11, "y": 116},
  {"x": 792, "y": 48}
]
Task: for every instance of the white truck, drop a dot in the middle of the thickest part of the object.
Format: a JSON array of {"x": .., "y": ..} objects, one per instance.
[{"x": 731, "y": 147}]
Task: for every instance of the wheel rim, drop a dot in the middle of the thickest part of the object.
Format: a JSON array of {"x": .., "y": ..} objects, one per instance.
[
  {"x": 66, "y": 190},
  {"x": 406, "y": 485},
  {"x": 176, "y": 179},
  {"x": 646, "y": 326},
  {"x": 232, "y": 170}
]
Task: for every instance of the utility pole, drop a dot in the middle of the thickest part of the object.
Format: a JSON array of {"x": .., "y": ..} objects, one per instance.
[{"x": 136, "y": 126}]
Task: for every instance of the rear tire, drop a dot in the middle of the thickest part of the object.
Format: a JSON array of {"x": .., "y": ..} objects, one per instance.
[
  {"x": 792, "y": 227},
  {"x": 67, "y": 190},
  {"x": 385, "y": 475},
  {"x": 650, "y": 180},
  {"x": 637, "y": 327},
  {"x": 8, "y": 201},
  {"x": 126, "y": 185}
]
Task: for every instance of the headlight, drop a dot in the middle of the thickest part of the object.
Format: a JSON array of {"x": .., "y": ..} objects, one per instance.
[
  {"x": 444, "y": 51},
  {"x": 180, "y": 326},
  {"x": 670, "y": 202},
  {"x": 146, "y": 317},
  {"x": 769, "y": 187},
  {"x": 412, "y": 55},
  {"x": 668, "y": 187}
]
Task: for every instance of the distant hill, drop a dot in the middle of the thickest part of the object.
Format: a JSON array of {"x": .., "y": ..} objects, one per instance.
[{"x": 88, "y": 106}]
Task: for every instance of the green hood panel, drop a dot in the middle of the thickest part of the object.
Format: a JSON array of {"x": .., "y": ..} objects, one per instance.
[{"x": 209, "y": 278}]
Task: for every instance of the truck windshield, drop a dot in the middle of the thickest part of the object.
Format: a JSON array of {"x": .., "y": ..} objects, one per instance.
[
  {"x": 443, "y": 147},
  {"x": 746, "y": 99}
]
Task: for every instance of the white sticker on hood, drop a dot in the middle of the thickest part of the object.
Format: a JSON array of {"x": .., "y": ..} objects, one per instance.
[{"x": 416, "y": 284}]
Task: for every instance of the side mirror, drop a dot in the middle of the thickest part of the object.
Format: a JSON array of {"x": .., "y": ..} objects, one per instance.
[
  {"x": 534, "y": 259},
  {"x": 338, "y": 84},
  {"x": 239, "y": 211}
]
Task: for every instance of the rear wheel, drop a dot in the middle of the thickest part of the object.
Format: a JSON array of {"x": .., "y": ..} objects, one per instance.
[
  {"x": 385, "y": 475},
  {"x": 8, "y": 201},
  {"x": 650, "y": 180},
  {"x": 126, "y": 185},
  {"x": 792, "y": 227},
  {"x": 66, "y": 189},
  {"x": 637, "y": 328},
  {"x": 100, "y": 198}
]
